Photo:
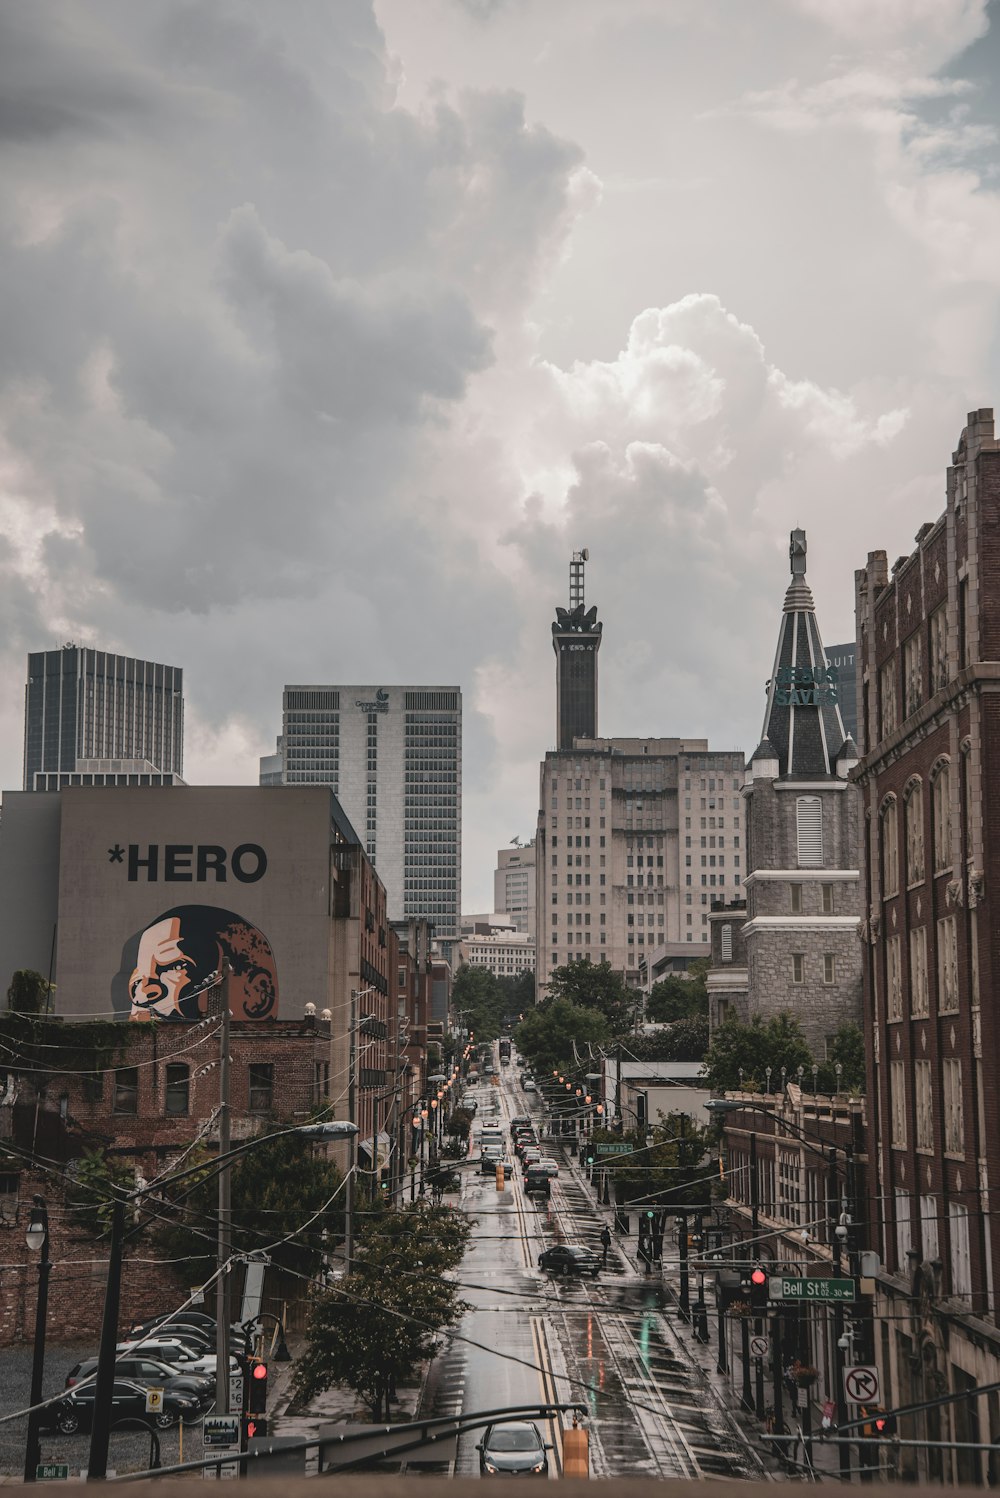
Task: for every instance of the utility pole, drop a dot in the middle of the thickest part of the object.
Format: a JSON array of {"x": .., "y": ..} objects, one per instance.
[
  {"x": 755, "y": 1233},
  {"x": 225, "y": 1210},
  {"x": 843, "y": 1448},
  {"x": 619, "y": 1121},
  {"x": 352, "y": 1101}
]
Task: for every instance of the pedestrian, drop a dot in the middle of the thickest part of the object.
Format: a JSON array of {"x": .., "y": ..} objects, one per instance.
[{"x": 605, "y": 1244}]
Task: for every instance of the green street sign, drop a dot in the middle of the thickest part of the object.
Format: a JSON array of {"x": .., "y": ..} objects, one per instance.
[
  {"x": 52, "y": 1472},
  {"x": 792, "y": 1287},
  {"x": 614, "y": 1149}
]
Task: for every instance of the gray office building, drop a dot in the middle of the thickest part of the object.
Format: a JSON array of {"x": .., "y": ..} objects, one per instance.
[
  {"x": 393, "y": 757},
  {"x": 91, "y": 713}
]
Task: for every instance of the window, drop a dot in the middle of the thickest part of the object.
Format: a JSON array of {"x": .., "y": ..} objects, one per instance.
[
  {"x": 261, "y": 1086},
  {"x": 913, "y": 674},
  {"x": 827, "y": 890},
  {"x": 890, "y": 850},
  {"x": 941, "y": 808},
  {"x": 887, "y": 697},
  {"x": 796, "y": 892},
  {"x": 176, "y": 1095},
  {"x": 727, "y": 943},
  {"x": 954, "y": 1118},
  {"x": 914, "y": 821},
  {"x": 961, "y": 1263},
  {"x": 829, "y": 968},
  {"x": 798, "y": 967},
  {"x": 897, "y": 1090},
  {"x": 947, "y": 954},
  {"x": 922, "y": 1096},
  {"x": 125, "y": 1098},
  {"x": 809, "y": 831},
  {"x": 939, "y": 649},
  {"x": 904, "y": 1233},
  {"x": 919, "y": 1003},
  {"x": 893, "y": 979},
  {"x": 929, "y": 1226}
]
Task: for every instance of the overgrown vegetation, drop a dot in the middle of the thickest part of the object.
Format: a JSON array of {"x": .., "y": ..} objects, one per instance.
[{"x": 740, "y": 1055}]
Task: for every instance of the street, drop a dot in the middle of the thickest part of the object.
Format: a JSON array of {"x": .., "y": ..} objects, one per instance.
[{"x": 609, "y": 1343}]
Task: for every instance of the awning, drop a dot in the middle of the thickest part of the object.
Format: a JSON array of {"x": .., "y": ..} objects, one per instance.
[{"x": 384, "y": 1146}]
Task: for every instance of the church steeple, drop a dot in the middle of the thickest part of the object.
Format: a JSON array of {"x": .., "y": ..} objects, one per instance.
[{"x": 803, "y": 729}]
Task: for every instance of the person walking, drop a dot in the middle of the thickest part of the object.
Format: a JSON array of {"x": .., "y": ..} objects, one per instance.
[{"x": 605, "y": 1244}]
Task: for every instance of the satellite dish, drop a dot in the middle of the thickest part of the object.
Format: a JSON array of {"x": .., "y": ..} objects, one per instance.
[{"x": 585, "y": 553}]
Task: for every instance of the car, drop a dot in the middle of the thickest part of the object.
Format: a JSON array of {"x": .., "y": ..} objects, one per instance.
[
  {"x": 546, "y": 1163},
  {"x": 514, "y": 1449},
  {"x": 530, "y": 1156},
  {"x": 177, "y": 1318},
  {"x": 152, "y": 1374},
  {"x": 522, "y": 1121},
  {"x": 528, "y": 1085},
  {"x": 570, "y": 1258},
  {"x": 491, "y": 1163},
  {"x": 177, "y": 1355},
  {"x": 75, "y": 1410}
]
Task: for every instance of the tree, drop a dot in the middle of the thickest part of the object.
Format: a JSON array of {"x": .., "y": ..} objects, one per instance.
[
  {"x": 372, "y": 1329},
  {"x": 847, "y": 1047},
  {"x": 477, "y": 995},
  {"x": 667, "y": 1164},
  {"x": 28, "y": 992},
  {"x": 94, "y": 1182},
  {"x": 518, "y": 993},
  {"x": 594, "y": 985},
  {"x": 752, "y": 1048},
  {"x": 678, "y": 998},
  {"x": 684, "y": 1040},
  {"x": 546, "y": 1034}
]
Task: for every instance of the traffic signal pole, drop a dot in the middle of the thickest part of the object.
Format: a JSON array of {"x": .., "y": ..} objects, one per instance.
[{"x": 225, "y": 1208}]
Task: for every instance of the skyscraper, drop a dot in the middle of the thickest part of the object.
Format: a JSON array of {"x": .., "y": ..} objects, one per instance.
[
  {"x": 514, "y": 885},
  {"x": 576, "y": 639},
  {"x": 393, "y": 756},
  {"x": 93, "y": 709}
]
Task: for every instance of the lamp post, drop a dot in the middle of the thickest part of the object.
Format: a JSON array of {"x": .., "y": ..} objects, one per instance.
[
  {"x": 104, "y": 1380},
  {"x": 37, "y": 1238}
]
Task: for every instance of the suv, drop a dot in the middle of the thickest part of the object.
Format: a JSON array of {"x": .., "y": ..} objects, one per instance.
[
  {"x": 570, "y": 1258},
  {"x": 151, "y": 1373},
  {"x": 75, "y": 1411}
]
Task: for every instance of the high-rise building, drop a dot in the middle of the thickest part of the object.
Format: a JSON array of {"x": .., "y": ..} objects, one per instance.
[
  {"x": 798, "y": 933},
  {"x": 514, "y": 886},
  {"x": 91, "y": 713},
  {"x": 635, "y": 839},
  {"x": 576, "y": 639},
  {"x": 393, "y": 756},
  {"x": 929, "y": 652}
]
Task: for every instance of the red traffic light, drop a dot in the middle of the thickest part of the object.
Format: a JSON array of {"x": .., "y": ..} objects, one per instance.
[
  {"x": 259, "y": 1370},
  {"x": 758, "y": 1276}
]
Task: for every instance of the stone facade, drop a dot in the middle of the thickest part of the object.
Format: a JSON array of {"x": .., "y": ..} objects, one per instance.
[{"x": 727, "y": 977}]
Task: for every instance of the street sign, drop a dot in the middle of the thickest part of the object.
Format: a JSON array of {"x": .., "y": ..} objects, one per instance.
[
  {"x": 221, "y": 1433},
  {"x": 154, "y": 1401},
  {"x": 758, "y": 1347},
  {"x": 861, "y": 1384},
  {"x": 793, "y": 1287},
  {"x": 52, "y": 1472},
  {"x": 623, "y": 1148},
  {"x": 236, "y": 1392}
]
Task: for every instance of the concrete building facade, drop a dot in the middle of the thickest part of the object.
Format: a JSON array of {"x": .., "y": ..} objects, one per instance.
[
  {"x": 504, "y": 954},
  {"x": 514, "y": 886},
  {"x": 576, "y": 640},
  {"x": 929, "y": 645},
  {"x": 393, "y": 758}
]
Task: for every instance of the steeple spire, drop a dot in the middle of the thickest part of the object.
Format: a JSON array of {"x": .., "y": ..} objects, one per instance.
[{"x": 803, "y": 729}]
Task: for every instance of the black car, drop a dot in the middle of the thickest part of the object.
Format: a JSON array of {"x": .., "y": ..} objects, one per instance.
[
  {"x": 570, "y": 1258},
  {"x": 514, "y": 1449},
  {"x": 152, "y": 1373},
  {"x": 488, "y": 1166},
  {"x": 194, "y": 1320},
  {"x": 75, "y": 1411}
]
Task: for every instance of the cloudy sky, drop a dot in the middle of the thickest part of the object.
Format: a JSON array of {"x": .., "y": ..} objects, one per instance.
[{"x": 331, "y": 327}]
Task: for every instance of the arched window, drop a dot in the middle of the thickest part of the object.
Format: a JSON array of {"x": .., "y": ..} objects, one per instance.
[
  {"x": 941, "y": 809},
  {"x": 914, "y": 820},
  {"x": 889, "y": 830},
  {"x": 809, "y": 831}
]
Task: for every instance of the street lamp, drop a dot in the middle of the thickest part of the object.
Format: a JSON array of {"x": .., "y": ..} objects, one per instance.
[
  {"x": 105, "y": 1375},
  {"x": 37, "y": 1238}
]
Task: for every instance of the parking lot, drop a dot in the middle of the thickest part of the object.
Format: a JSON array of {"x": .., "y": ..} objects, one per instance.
[{"x": 129, "y": 1450}]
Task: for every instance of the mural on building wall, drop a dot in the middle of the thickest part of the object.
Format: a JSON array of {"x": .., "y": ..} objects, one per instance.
[{"x": 167, "y": 968}]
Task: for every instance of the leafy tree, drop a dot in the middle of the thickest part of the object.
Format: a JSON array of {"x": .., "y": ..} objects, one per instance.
[
  {"x": 372, "y": 1329},
  {"x": 777, "y": 1042},
  {"x": 594, "y": 985},
  {"x": 28, "y": 992},
  {"x": 93, "y": 1185},
  {"x": 684, "y": 1040},
  {"x": 667, "y": 1166},
  {"x": 546, "y": 1034},
  {"x": 678, "y": 998},
  {"x": 477, "y": 995},
  {"x": 459, "y": 1123},
  {"x": 518, "y": 993},
  {"x": 847, "y": 1047}
]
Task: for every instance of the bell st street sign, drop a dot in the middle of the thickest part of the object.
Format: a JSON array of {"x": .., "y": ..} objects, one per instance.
[
  {"x": 793, "y": 1287},
  {"x": 615, "y": 1149}
]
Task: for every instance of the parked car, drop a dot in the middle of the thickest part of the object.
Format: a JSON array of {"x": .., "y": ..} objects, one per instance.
[
  {"x": 513, "y": 1449},
  {"x": 179, "y": 1356},
  {"x": 152, "y": 1373},
  {"x": 75, "y": 1411},
  {"x": 570, "y": 1258}
]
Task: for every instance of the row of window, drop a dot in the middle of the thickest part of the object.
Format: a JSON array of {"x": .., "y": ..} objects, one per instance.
[
  {"x": 913, "y": 824},
  {"x": 919, "y": 986},
  {"x": 929, "y": 642},
  {"x": 924, "y": 1095},
  {"x": 177, "y": 1088}
]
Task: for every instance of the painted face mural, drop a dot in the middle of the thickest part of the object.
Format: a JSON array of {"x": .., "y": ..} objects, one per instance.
[{"x": 167, "y": 968}]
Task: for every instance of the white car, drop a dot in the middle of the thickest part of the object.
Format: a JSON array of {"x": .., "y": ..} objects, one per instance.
[
  {"x": 529, "y": 1085},
  {"x": 177, "y": 1354}
]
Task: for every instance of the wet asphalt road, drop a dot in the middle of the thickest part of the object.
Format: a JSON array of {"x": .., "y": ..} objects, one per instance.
[{"x": 610, "y": 1344}]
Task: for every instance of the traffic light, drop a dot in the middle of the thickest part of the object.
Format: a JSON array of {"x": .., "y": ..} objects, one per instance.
[
  {"x": 885, "y": 1425},
  {"x": 758, "y": 1288},
  {"x": 254, "y": 1426},
  {"x": 590, "y": 1154},
  {"x": 257, "y": 1387}
]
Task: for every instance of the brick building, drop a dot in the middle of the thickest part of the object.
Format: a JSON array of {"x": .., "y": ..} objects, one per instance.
[
  {"x": 802, "y": 879},
  {"x": 929, "y": 653}
]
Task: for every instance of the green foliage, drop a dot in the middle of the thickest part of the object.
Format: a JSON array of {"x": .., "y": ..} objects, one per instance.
[
  {"x": 546, "y": 1034},
  {"x": 684, "y": 1040},
  {"x": 477, "y": 995},
  {"x": 847, "y": 1047},
  {"x": 777, "y": 1042},
  {"x": 29, "y": 992},
  {"x": 383, "y": 1319},
  {"x": 676, "y": 998},
  {"x": 459, "y": 1123},
  {"x": 46, "y": 1044},
  {"x": 594, "y": 985},
  {"x": 91, "y": 1189},
  {"x": 672, "y": 1169},
  {"x": 275, "y": 1189}
]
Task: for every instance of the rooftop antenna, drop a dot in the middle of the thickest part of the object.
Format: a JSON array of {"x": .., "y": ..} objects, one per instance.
[{"x": 576, "y": 566}]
